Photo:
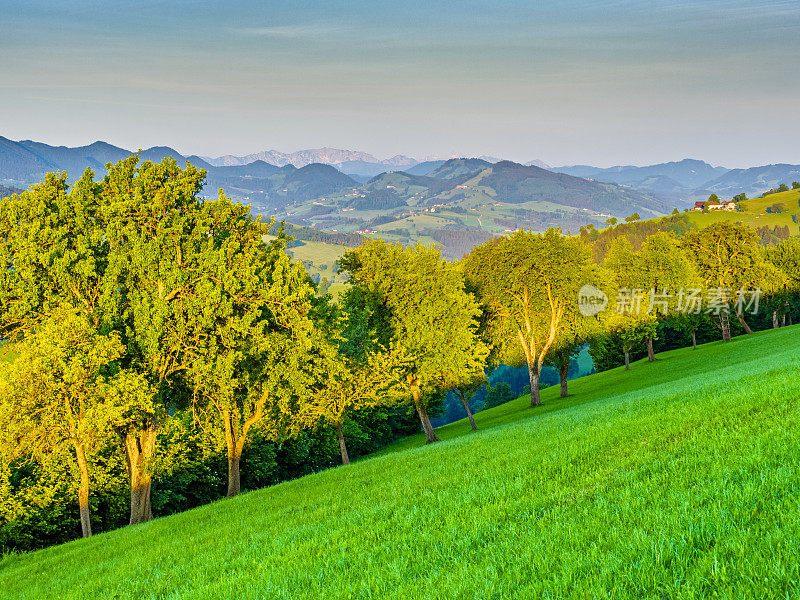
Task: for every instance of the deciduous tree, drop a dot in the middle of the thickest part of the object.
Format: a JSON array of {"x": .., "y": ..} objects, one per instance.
[
  {"x": 728, "y": 259},
  {"x": 52, "y": 393},
  {"x": 421, "y": 311},
  {"x": 528, "y": 284}
]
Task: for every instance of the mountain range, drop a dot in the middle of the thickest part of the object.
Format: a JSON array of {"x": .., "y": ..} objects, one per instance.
[
  {"x": 463, "y": 202},
  {"x": 272, "y": 179},
  {"x": 668, "y": 178}
]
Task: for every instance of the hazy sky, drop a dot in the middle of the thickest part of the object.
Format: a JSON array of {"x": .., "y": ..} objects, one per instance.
[{"x": 603, "y": 83}]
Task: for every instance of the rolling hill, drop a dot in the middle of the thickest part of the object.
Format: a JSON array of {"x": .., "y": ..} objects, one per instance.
[
  {"x": 350, "y": 162},
  {"x": 753, "y": 181},
  {"x": 424, "y": 168},
  {"x": 267, "y": 187},
  {"x": 7, "y": 191},
  {"x": 677, "y": 479},
  {"x": 465, "y": 201},
  {"x": 456, "y": 203},
  {"x": 673, "y": 178}
]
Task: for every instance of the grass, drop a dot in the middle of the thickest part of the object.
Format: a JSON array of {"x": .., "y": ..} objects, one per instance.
[
  {"x": 754, "y": 213},
  {"x": 678, "y": 479}
]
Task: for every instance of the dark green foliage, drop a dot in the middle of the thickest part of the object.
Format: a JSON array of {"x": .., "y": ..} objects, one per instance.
[
  {"x": 383, "y": 199},
  {"x": 638, "y": 232},
  {"x": 309, "y": 234},
  {"x": 458, "y": 242},
  {"x": 499, "y": 394}
]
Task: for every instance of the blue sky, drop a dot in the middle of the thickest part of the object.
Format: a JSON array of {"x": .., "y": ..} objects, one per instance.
[{"x": 606, "y": 83}]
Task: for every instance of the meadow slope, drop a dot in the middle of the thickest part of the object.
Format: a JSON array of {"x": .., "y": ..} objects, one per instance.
[{"x": 678, "y": 479}]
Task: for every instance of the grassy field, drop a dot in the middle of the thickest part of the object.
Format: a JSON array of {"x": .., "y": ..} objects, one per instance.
[
  {"x": 754, "y": 213},
  {"x": 678, "y": 479}
]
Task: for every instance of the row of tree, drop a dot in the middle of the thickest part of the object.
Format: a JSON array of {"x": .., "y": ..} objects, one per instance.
[{"x": 133, "y": 303}]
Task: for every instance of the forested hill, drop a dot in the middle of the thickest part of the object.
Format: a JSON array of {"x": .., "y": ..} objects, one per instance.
[{"x": 7, "y": 191}]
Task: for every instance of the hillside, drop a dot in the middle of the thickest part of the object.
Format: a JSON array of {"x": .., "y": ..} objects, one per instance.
[
  {"x": 5, "y": 192},
  {"x": 759, "y": 212},
  {"x": 462, "y": 202},
  {"x": 268, "y": 188},
  {"x": 753, "y": 181},
  {"x": 457, "y": 167},
  {"x": 674, "y": 178},
  {"x": 677, "y": 479}
]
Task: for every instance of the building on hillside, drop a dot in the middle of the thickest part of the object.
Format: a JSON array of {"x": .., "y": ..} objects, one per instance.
[{"x": 714, "y": 205}]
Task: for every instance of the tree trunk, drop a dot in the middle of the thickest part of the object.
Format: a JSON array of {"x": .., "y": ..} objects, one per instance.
[
  {"x": 563, "y": 371},
  {"x": 464, "y": 401},
  {"x": 234, "y": 449},
  {"x": 83, "y": 490},
  {"x": 139, "y": 449},
  {"x": 694, "y": 340},
  {"x": 744, "y": 324},
  {"x": 651, "y": 355},
  {"x": 775, "y": 323},
  {"x": 234, "y": 477},
  {"x": 627, "y": 360},
  {"x": 533, "y": 376},
  {"x": 430, "y": 434},
  {"x": 725, "y": 325},
  {"x": 342, "y": 445}
]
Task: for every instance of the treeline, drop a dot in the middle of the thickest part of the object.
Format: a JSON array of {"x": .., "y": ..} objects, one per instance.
[
  {"x": 458, "y": 242},
  {"x": 309, "y": 234},
  {"x": 774, "y": 236},
  {"x": 163, "y": 348},
  {"x": 636, "y": 232},
  {"x": 781, "y": 188}
]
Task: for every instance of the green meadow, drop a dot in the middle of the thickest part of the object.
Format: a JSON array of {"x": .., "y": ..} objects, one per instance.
[
  {"x": 753, "y": 212},
  {"x": 677, "y": 479}
]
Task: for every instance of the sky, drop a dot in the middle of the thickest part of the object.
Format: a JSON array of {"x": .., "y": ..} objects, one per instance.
[{"x": 576, "y": 82}]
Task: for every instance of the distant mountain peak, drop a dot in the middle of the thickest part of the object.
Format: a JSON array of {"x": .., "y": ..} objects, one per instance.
[{"x": 538, "y": 163}]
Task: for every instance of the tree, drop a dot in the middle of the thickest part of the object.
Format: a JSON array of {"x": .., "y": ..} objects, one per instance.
[
  {"x": 418, "y": 308},
  {"x": 52, "y": 392},
  {"x": 713, "y": 198},
  {"x": 125, "y": 251},
  {"x": 154, "y": 223},
  {"x": 562, "y": 359},
  {"x": 688, "y": 321},
  {"x": 612, "y": 221},
  {"x": 254, "y": 356},
  {"x": 527, "y": 283},
  {"x": 349, "y": 386},
  {"x": 464, "y": 389},
  {"x": 728, "y": 261},
  {"x": 785, "y": 257},
  {"x": 634, "y": 217},
  {"x": 666, "y": 272},
  {"x": 783, "y": 188},
  {"x": 796, "y": 185},
  {"x": 499, "y": 394},
  {"x": 675, "y": 211},
  {"x": 629, "y": 320}
]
